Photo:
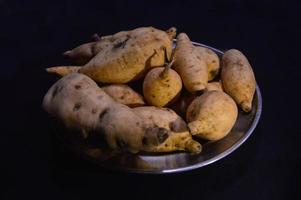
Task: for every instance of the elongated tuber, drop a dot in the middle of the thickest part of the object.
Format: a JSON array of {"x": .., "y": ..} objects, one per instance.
[
  {"x": 129, "y": 55},
  {"x": 124, "y": 94},
  {"x": 238, "y": 78},
  {"x": 192, "y": 70}
]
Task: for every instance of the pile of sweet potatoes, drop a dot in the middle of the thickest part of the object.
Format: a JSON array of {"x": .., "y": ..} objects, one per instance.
[{"x": 186, "y": 92}]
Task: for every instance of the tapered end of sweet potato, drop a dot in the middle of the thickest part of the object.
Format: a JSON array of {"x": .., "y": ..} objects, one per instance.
[
  {"x": 193, "y": 146},
  {"x": 246, "y": 106},
  {"x": 62, "y": 70}
]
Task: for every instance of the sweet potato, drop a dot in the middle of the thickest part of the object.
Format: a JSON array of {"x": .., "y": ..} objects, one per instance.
[
  {"x": 78, "y": 102},
  {"x": 217, "y": 85},
  {"x": 173, "y": 132},
  {"x": 161, "y": 86},
  {"x": 238, "y": 78},
  {"x": 126, "y": 57},
  {"x": 212, "y": 115},
  {"x": 192, "y": 70},
  {"x": 211, "y": 60},
  {"x": 124, "y": 94}
]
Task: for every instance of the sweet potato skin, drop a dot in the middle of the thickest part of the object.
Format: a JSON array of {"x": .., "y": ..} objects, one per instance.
[
  {"x": 238, "y": 78},
  {"x": 192, "y": 70},
  {"x": 125, "y": 56},
  {"x": 172, "y": 130},
  {"x": 216, "y": 85},
  {"x": 123, "y": 94},
  {"x": 78, "y": 102},
  {"x": 212, "y": 115},
  {"x": 211, "y": 59},
  {"x": 160, "y": 90}
]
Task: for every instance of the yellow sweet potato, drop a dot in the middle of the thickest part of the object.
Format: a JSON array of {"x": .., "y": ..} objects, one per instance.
[
  {"x": 78, "y": 102},
  {"x": 212, "y": 115},
  {"x": 124, "y": 94},
  {"x": 128, "y": 55},
  {"x": 217, "y": 85},
  {"x": 238, "y": 78},
  {"x": 161, "y": 86},
  {"x": 211, "y": 59},
  {"x": 192, "y": 70},
  {"x": 173, "y": 134}
]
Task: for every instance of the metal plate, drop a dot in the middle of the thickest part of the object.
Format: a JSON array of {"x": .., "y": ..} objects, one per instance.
[{"x": 173, "y": 162}]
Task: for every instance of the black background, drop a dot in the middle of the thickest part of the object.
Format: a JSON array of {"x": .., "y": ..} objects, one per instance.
[{"x": 34, "y": 33}]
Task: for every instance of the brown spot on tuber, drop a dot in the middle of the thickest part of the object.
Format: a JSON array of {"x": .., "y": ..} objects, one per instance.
[
  {"x": 103, "y": 113},
  {"x": 144, "y": 141},
  {"x": 57, "y": 89},
  {"x": 94, "y": 111},
  {"x": 78, "y": 87},
  {"x": 121, "y": 44},
  {"x": 162, "y": 134},
  {"x": 77, "y": 106},
  {"x": 193, "y": 114},
  {"x": 213, "y": 73}
]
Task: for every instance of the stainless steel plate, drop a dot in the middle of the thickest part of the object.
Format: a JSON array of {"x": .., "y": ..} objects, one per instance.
[{"x": 174, "y": 162}]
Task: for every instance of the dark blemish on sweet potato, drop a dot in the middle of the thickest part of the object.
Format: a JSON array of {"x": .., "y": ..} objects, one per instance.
[
  {"x": 137, "y": 123},
  {"x": 121, "y": 44},
  {"x": 122, "y": 97},
  {"x": 54, "y": 92},
  {"x": 213, "y": 73},
  {"x": 94, "y": 111},
  {"x": 153, "y": 96},
  {"x": 168, "y": 109},
  {"x": 57, "y": 89},
  {"x": 103, "y": 113},
  {"x": 78, "y": 87},
  {"x": 193, "y": 114},
  {"x": 144, "y": 141},
  {"x": 162, "y": 134},
  {"x": 77, "y": 106}
]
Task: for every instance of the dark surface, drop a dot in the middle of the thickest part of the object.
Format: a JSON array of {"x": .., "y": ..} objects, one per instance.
[{"x": 32, "y": 37}]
